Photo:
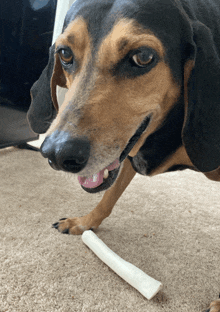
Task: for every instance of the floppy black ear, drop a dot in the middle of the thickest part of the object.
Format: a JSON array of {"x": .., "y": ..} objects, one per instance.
[
  {"x": 201, "y": 132},
  {"x": 44, "y": 107}
]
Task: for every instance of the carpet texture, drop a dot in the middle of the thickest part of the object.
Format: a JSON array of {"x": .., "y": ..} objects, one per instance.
[{"x": 168, "y": 226}]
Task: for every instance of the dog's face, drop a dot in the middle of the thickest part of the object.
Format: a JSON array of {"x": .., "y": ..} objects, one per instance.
[
  {"x": 112, "y": 87},
  {"x": 120, "y": 68}
]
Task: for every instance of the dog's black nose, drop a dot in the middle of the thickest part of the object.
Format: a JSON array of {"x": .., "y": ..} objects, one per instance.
[{"x": 66, "y": 153}]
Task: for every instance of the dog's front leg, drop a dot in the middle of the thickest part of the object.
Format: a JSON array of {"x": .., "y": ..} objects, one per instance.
[{"x": 103, "y": 209}]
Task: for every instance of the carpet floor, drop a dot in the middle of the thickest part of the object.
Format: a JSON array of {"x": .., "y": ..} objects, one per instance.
[{"x": 167, "y": 225}]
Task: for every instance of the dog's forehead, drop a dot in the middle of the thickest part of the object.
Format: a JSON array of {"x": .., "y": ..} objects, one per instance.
[
  {"x": 93, "y": 12},
  {"x": 101, "y": 15},
  {"x": 166, "y": 19}
]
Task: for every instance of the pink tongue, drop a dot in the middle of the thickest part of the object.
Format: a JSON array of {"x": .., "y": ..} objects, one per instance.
[{"x": 97, "y": 179}]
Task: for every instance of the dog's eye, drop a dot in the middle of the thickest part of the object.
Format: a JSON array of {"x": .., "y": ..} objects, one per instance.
[
  {"x": 136, "y": 62},
  {"x": 143, "y": 59},
  {"x": 66, "y": 56}
]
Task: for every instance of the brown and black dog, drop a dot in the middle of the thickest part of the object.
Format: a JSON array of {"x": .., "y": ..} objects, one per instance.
[{"x": 143, "y": 80}]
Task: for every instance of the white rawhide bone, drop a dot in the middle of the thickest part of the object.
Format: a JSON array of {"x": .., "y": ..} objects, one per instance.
[{"x": 145, "y": 284}]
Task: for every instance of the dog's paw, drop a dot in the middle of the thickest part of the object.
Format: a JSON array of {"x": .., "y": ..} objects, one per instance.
[
  {"x": 75, "y": 226},
  {"x": 214, "y": 306}
]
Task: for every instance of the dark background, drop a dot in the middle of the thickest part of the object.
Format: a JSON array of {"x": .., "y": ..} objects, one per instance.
[{"x": 26, "y": 29}]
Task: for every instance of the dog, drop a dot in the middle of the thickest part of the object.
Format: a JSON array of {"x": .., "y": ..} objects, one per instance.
[{"x": 143, "y": 80}]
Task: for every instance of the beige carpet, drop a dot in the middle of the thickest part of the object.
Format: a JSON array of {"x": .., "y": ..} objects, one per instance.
[{"x": 168, "y": 226}]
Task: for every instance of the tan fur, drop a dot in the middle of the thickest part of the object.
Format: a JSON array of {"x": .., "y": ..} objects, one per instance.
[
  {"x": 77, "y": 38},
  {"x": 213, "y": 175},
  {"x": 58, "y": 79},
  {"x": 187, "y": 72},
  {"x": 121, "y": 105},
  {"x": 126, "y": 35}
]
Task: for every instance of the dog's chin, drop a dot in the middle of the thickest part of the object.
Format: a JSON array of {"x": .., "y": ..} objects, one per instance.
[
  {"x": 101, "y": 182},
  {"x": 107, "y": 183}
]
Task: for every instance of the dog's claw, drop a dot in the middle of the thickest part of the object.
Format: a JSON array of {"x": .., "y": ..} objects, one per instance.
[
  {"x": 74, "y": 226},
  {"x": 55, "y": 225},
  {"x": 66, "y": 231}
]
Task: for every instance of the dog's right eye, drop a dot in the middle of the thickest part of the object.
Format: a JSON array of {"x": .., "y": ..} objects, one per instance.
[
  {"x": 66, "y": 57},
  {"x": 143, "y": 59}
]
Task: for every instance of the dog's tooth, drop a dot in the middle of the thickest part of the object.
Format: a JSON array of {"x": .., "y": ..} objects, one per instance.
[
  {"x": 106, "y": 173},
  {"x": 94, "y": 177}
]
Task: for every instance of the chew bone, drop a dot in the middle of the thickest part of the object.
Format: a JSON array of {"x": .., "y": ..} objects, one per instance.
[{"x": 145, "y": 284}]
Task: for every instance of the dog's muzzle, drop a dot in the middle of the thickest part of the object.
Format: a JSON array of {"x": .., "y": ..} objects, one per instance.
[
  {"x": 107, "y": 176},
  {"x": 72, "y": 155}
]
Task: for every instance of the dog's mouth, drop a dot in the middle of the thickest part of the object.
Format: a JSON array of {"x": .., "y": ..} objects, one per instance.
[
  {"x": 102, "y": 180},
  {"x": 107, "y": 176}
]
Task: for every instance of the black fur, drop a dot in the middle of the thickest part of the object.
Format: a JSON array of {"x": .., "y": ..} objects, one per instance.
[
  {"x": 160, "y": 144},
  {"x": 42, "y": 111}
]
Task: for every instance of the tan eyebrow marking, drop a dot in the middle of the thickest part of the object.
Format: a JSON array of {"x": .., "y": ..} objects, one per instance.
[
  {"x": 76, "y": 36},
  {"x": 126, "y": 35}
]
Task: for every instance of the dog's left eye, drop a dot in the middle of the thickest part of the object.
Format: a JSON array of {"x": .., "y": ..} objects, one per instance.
[
  {"x": 143, "y": 59},
  {"x": 136, "y": 63},
  {"x": 66, "y": 56}
]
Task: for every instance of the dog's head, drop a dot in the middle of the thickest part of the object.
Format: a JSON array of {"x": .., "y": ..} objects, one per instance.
[{"x": 126, "y": 65}]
